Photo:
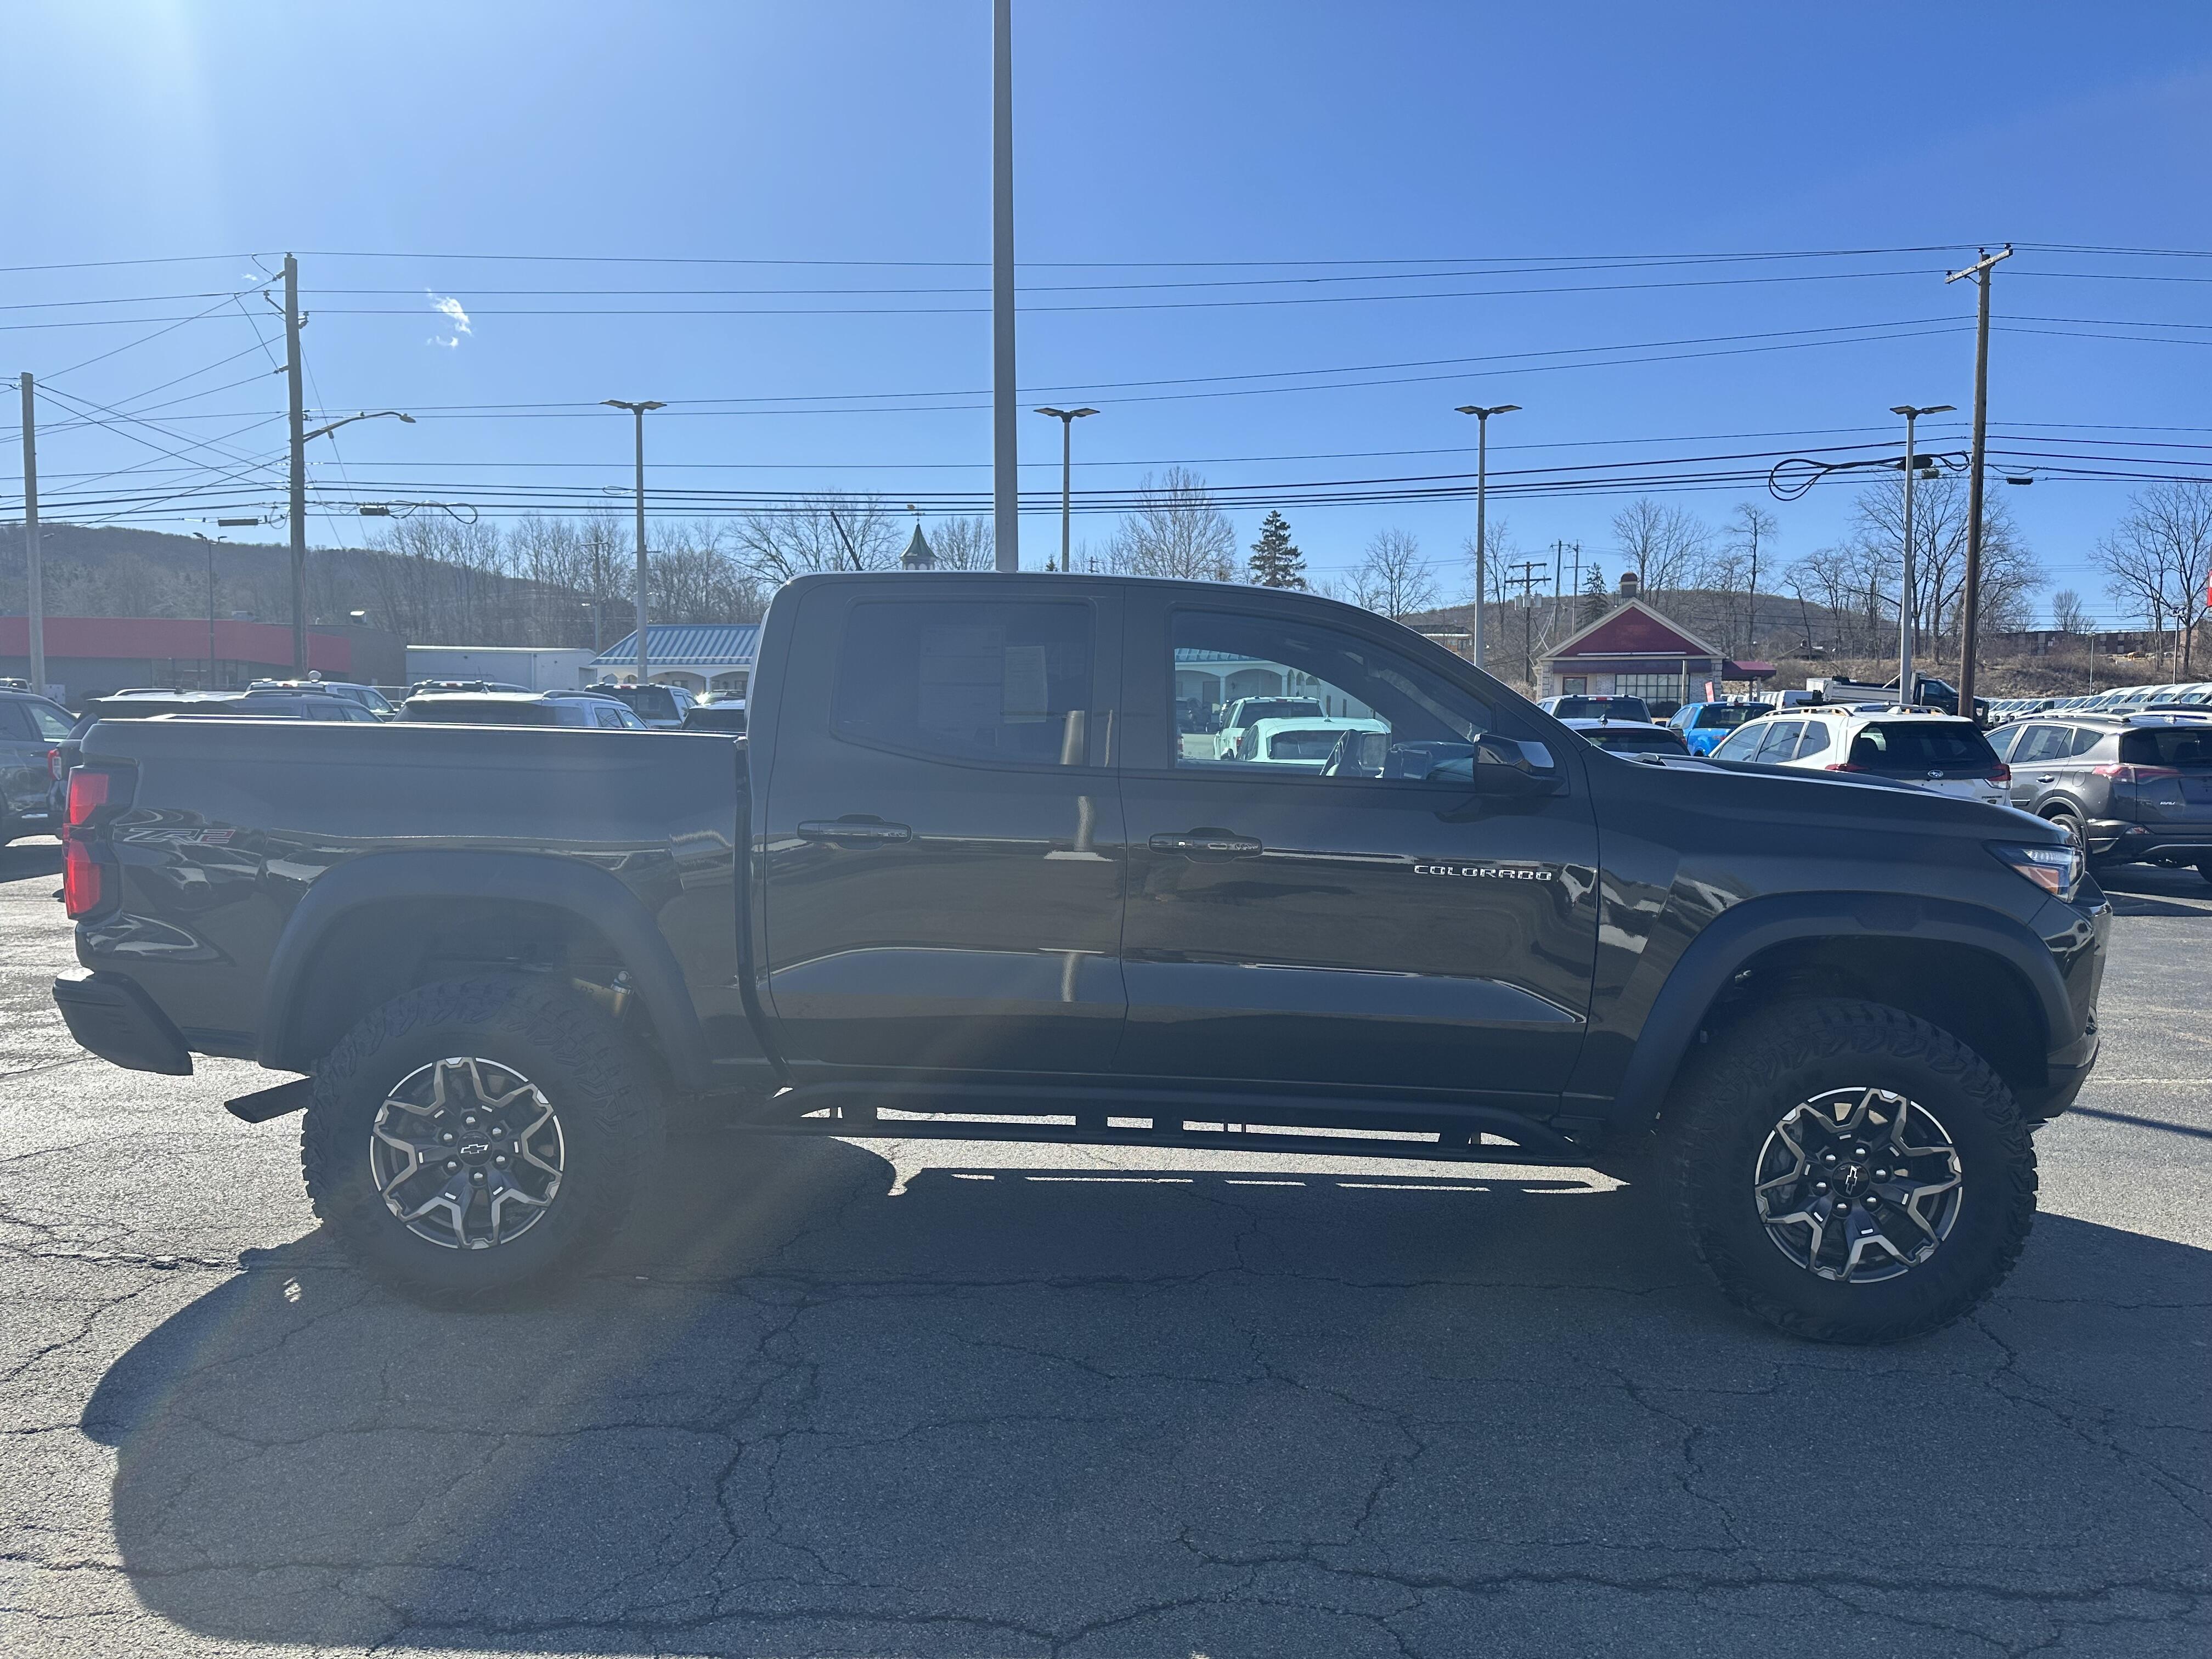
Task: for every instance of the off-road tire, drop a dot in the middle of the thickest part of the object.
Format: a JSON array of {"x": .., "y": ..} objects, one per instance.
[
  {"x": 611, "y": 1117},
  {"x": 1739, "y": 1086}
]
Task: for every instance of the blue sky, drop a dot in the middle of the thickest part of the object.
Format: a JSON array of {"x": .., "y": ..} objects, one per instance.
[{"x": 1158, "y": 143}]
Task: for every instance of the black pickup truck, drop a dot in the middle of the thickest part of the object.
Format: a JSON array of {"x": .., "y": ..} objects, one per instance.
[{"x": 968, "y": 876}]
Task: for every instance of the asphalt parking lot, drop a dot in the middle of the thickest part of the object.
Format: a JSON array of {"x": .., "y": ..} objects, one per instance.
[{"x": 940, "y": 1399}]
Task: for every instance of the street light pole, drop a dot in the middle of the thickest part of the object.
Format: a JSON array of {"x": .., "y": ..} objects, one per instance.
[
  {"x": 638, "y": 411},
  {"x": 1904, "y": 597},
  {"x": 1481, "y": 512},
  {"x": 296, "y": 412},
  {"x": 1068, "y": 418},
  {"x": 33, "y": 565},
  {"x": 1006, "y": 438}
]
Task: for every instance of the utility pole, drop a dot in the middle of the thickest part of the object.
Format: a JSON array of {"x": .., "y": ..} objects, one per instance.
[
  {"x": 1005, "y": 440},
  {"x": 1526, "y": 581},
  {"x": 638, "y": 411},
  {"x": 33, "y": 567},
  {"x": 298, "y": 430},
  {"x": 1481, "y": 503},
  {"x": 1068, "y": 418},
  {"x": 1905, "y": 606},
  {"x": 1981, "y": 270}
]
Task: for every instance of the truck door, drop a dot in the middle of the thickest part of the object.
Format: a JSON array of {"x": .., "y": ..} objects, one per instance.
[
  {"x": 944, "y": 848},
  {"x": 1347, "y": 922}
]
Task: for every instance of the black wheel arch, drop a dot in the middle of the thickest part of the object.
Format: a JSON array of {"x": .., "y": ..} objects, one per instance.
[
  {"x": 316, "y": 988},
  {"x": 1982, "y": 975}
]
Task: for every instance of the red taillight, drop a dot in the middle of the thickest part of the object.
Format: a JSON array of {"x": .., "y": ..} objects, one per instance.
[
  {"x": 82, "y": 878},
  {"x": 2000, "y": 773},
  {"x": 1844, "y": 766},
  {"x": 54, "y": 766},
  {"x": 2129, "y": 774},
  {"x": 88, "y": 793}
]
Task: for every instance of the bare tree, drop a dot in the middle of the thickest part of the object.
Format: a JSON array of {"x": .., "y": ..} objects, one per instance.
[
  {"x": 1750, "y": 528},
  {"x": 1393, "y": 579},
  {"x": 964, "y": 544},
  {"x": 1176, "y": 530},
  {"x": 1666, "y": 546},
  {"x": 831, "y": 531},
  {"x": 2067, "y": 611},
  {"x": 2158, "y": 559}
]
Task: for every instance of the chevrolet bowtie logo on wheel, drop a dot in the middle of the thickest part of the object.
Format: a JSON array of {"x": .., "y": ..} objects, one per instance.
[{"x": 1488, "y": 872}]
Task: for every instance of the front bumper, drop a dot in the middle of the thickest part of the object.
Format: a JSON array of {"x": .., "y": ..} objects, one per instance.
[{"x": 114, "y": 1018}]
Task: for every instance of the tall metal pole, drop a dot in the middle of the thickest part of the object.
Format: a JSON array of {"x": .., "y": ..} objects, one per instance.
[
  {"x": 33, "y": 565},
  {"x": 299, "y": 431},
  {"x": 638, "y": 414},
  {"x": 1904, "y": 595},
  {"x": 1066, "y": 484},
  {"x": 1969, "y": 630},
  {"x": 1481, "y": 530},
  {"x": 1006, "y": 438}
]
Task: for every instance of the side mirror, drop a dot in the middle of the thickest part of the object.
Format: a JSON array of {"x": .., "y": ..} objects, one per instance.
[{"x": 1503, "y": 769}]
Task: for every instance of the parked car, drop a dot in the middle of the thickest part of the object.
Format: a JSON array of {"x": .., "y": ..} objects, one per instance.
[
  {"x": 2124, "y": 787},
  {"x": 1702, "y": 725},
  {"x": 661, "y": 707},
  {"x": 366, "y": 696},
  {"x": 962, "y": 868},
  {"x": 522, "y": 709},
  {"x": 1298, "y": 740},
  {"x": 1631, "y": 737},
  {"x": 32, "y": 731},
  {"x": 1939, "y": 753},
  {"x": 1244, "y": 711},
  {"x": 1577, "y": 705}
]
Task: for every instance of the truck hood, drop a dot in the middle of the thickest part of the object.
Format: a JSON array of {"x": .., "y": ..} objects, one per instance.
[{"x": 1858, "y": 802}]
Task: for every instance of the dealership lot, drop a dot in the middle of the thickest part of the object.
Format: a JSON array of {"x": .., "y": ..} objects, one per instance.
[{"x": 945, "y": 1399}]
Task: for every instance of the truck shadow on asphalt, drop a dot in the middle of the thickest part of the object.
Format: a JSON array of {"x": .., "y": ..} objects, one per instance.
[
  {"x": 2149, "y": 889},
  {"x": 1245, "y": 1409},
  {"x": 37, "y": 859}
]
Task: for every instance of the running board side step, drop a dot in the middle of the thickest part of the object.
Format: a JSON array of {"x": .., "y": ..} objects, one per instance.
[
  {"x": 264, "y": 1104},
  {"x": 853, "y": 1112}
]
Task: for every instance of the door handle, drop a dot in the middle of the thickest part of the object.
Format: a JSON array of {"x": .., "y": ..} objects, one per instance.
[
  {"x": 872, "y": 831},
  {"x": 1207, "y": 843},
  {"x": 2046, "y": 777}
]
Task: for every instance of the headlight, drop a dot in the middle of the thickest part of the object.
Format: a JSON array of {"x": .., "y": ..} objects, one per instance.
[{"x": 2056, "y": 870}]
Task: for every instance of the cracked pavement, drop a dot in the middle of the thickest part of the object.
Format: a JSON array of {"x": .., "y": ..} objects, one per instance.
[{"x": 946, "y": 1399}]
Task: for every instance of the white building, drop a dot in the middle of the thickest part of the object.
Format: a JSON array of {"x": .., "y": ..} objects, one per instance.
[
  {"x": 534, "y": 668},
  {"x": 701, "y": 657}
]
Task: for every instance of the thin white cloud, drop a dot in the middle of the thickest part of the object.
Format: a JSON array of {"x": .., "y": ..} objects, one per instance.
[{"x": 457, "y": 320}]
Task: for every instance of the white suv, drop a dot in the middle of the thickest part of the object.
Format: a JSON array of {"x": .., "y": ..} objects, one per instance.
[{"x": 1937, "y": 753}]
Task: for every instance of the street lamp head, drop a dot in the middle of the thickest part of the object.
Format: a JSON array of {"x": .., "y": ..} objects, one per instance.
[
  {"x": 1065, "y": 414},
  {"x": 1496, "y": 409},
  {"x": 1079, "y": 414},
  {"x": 408, "y": 419},
  {"x": 1932, "y": 409},
  {"x": 635, "y": 409}
]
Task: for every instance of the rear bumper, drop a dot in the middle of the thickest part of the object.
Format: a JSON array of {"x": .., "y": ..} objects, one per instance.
[
  {"x": 112, "y": 1017},
  {"x": 2116, "y": 838}
]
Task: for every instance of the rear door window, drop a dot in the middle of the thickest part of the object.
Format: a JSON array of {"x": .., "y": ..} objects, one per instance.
[
  {"x": 1815, "y": 740},
  {"x": 2185, "y": 748},
  {"x": 1779, "y": 742},
  {"x": 990, "y": 680},
  {"x": 1951, "y": 746}
]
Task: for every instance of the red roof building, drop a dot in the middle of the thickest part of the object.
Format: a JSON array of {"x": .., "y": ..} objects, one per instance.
[{"x": 1634, "y": 652}]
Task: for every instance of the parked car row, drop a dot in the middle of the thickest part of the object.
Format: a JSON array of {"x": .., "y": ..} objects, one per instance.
[
  {"x": 2125, "y": 787},
  {"x": 2182, "y": 694}
]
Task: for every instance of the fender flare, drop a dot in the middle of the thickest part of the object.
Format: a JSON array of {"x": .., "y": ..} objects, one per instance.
[
  {"x": 590, "y": 894},
  {"x": 1718, "y": 953}
]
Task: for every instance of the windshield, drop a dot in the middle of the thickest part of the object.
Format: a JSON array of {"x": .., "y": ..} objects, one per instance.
[
  {"x": 1727, "y": 714},
  {"x": 1277, "y": 708},
  {"x": 653, "y": 703},
  {"x": 1303, "y": 745},
  {"x": 1628, "y": 740}
]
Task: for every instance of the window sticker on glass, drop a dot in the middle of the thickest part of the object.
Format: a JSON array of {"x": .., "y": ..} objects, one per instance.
[{"x": 1026, "y": 699}]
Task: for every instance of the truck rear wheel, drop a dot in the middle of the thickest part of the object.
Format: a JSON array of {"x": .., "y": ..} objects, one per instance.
[
  {"x": 474, "y": 1139},
  {"x": 1849, "y": 1173}
]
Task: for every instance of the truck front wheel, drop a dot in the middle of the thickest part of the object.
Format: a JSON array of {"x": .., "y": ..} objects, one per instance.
[
  {"x": 476, "y": 1138},
  {"x": 1849, "y": 1173}
]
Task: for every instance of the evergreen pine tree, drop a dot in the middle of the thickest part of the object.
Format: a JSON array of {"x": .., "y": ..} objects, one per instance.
[
  {"x": 1597, "y": 597},
  {"x": 1276, "y": 561}
]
